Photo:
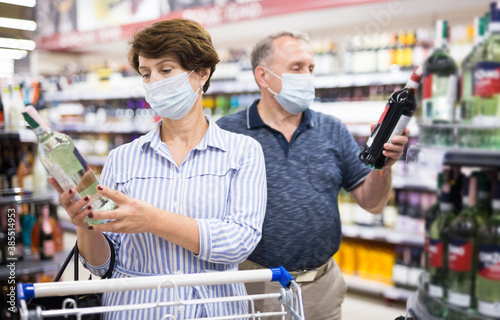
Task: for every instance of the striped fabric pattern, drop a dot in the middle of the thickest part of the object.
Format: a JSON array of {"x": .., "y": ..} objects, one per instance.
[{"x": 221, "y": 183}]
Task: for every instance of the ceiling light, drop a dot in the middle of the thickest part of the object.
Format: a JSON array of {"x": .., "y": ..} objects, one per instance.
[
  {"x": 17, "y": 43},
  {"x": 24, "y": 3},
  {"x": 19, "y": 24},
  {"x": 13, "y": 53}
]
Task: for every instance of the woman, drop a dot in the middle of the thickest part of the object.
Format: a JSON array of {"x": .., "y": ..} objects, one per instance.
[{"x": 190, "y": 196}]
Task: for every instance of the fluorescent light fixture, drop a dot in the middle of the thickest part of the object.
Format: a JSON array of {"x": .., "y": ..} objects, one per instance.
[
  {"x": 13, "y": 54},
  {"x": 24, "y": 3},
  {"x": 17, "y": 44},
  {"x": 19, "y": 24}
]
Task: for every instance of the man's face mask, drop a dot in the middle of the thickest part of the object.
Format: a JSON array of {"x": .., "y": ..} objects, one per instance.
[
  {"x": 172, "y": 97},
  {"x": 297, "y": 91}
]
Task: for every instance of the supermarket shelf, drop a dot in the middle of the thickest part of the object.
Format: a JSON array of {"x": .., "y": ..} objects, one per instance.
[
  {"x": 456, "y": 156},
  {"x": 23, "y": 135},
  {"x": 107, "y": 127},
  {"x": 131, "y": 87},
  {"x": 32, "y": 264},
  {"x": 385, "y": 290},
  {"x": 95, "y": 160},
  {"x": 9, "y": 196},
  {"x": 382, "y": 234}
]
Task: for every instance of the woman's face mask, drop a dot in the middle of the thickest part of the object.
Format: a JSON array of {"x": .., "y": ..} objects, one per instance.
[
  {"x": 172, "y": 97},
  {"x": 297, "y": 91}
]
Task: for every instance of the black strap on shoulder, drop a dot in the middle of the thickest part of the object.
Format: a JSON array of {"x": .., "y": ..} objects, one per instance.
[{"x": 74, "y": 254}]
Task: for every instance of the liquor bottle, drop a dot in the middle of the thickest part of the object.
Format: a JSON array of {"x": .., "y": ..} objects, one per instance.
[
  {"x": 438, "y": 244},
  {"x": 488, "y": 274},
  {"x": 430, "y": 215},
  {"x": 47, "y": 245},
  {"x": 394, "y": 119},
  {"x": 467, "y": 105},
  {"x": 486, "y": 80},
  {"x": 462, "y": 250},
  {"x": 440, "y": 81},
  {"x": 483, "y": 195},
  {"x": 61, "y": 158}
]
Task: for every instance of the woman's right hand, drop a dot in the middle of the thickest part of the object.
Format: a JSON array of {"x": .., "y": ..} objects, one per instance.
[{"x": 74, "y": 209}]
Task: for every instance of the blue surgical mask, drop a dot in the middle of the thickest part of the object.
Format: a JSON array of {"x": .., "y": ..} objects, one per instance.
[
  {"x": 297, "y": 91},
  {"x": 172, "y": 97}
]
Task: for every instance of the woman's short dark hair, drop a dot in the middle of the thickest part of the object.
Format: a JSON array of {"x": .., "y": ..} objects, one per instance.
[{"x": 185, "y": 38}]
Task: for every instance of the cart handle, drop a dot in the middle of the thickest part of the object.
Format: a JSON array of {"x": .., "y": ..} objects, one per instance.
[{"x": 38, "y": 290}]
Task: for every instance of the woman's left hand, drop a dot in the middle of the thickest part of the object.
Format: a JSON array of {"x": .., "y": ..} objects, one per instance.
[
  {"x": 394, "y": 150},
  {"x": 130, "y": 216}
]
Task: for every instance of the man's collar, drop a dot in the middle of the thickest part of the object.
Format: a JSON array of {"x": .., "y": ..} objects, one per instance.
[{"x": 255, "y": 121}]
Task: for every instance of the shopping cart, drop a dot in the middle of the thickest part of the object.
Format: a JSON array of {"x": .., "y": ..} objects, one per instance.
[{"x": 289, "y": 296}]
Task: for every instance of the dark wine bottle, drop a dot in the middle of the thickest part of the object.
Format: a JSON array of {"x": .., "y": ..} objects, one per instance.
[{"x": 398, "y": 112}]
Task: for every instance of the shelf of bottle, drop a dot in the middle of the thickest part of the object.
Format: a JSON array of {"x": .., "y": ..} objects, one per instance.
[
  {"x": 469, "y": 157},
  {"x": 382, "y": 234},
  {"x": 388, "y": 291},
  {"x": 132, "y": 88},
  {"x": 32, "y": 264},
  {"x": 16, "y": 195},
  {"x": 95, "y": 160},
  {"x": 107, "y": 127},
  {"x": 22, "y": 135}
]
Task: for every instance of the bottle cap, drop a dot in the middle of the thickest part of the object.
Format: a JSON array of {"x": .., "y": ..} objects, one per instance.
[
  {"x": 33, "y": 118},
  {"x": 416, "y": 78},
  {"x": 495, "y": 11}
]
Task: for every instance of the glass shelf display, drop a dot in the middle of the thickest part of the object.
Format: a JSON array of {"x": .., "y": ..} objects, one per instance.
[{"x": 422, "y": 306}]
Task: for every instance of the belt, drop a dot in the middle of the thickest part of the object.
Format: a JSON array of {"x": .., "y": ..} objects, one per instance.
[{"x": 306, "y": 275}]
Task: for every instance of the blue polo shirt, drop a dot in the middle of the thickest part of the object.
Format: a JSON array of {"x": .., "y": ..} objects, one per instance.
[{"x": 302, "y": 225}]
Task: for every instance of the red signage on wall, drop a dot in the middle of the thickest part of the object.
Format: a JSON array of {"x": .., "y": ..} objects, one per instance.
[{"x": 208, "y": 15}]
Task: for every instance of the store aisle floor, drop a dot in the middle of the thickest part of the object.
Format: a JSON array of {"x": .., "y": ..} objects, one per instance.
[{"x": 358, "y": 306}]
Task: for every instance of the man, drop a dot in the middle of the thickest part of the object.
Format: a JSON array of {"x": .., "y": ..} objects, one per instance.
[{"x": 309, "y": 157}]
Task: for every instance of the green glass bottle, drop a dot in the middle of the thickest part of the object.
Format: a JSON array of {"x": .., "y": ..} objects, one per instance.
[
  {"x": 486, "y": 79},
  {"x": 430, "y": 215},
  {"x": 440, "y": 82},
  {"x": 62, "y": 160},
  {"x": 438, "y": 245},
  {"x": 483, "y": 195},
  {"x": 462, "y": 248},
  {"x": 467, "y": 107},
  {"x": 488, "y": 273}
]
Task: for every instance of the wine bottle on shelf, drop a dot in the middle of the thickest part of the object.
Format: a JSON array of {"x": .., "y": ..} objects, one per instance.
[
  {"x": 47, "y": 244},
  {"x": 398, "y": 112},
  {"x": 467, "y": 105},
  {"x": 63, "y": 161},
  {"x": 430, "y": 215},
  {"x": 486, "y": 81},
  {"x": 462, "y": 249},
  {"x": 438, "y": 242},
  {"x": 488, "y": 274},
  {"x": 440, "y": 80}
]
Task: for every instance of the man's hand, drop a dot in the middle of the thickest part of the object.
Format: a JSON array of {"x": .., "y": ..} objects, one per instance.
[{"x": 394, "y": 150}]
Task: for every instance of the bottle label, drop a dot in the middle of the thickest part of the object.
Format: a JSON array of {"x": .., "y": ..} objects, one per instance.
[
  {"x": 400, "y": 127},
  {"x": 491, "y": 309},
  {"x": 435, "y": 253},
  {"x": 400, "y": 274},
  {"x": 489, "y": 261},
  {"x": 486, "y": 79},
  {"x": 436, "y": 291},
  {"x": 49, "y": 247},
  {"x": 459, "y": 255},
  {"x": 427, "y": 86},
  {"x": 459, "y": 299},
  {"x": 439, "y": 97}
]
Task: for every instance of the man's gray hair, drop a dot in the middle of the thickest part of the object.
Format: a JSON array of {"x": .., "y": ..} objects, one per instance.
[{"x": 263, "y": 50}]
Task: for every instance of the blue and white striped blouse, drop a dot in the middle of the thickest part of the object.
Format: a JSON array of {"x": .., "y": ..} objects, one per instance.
[{"x": 221, "y": 183}]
